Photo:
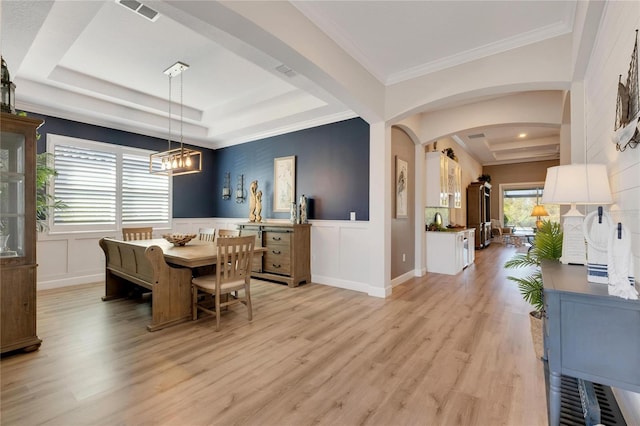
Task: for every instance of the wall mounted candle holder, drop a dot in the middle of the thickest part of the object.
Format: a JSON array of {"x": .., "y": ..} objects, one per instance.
[
  {"x": 226, "y": 188},
  {"x": 240, "y": 193}
]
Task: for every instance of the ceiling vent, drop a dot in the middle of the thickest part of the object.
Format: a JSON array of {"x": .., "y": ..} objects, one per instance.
[
  {"x": 476, "y": 136},
  {"x": 286, "y": 70},
  {"x": 140, "y": 9}
]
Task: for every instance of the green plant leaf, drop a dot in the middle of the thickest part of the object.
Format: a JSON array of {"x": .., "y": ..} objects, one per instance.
[
  {"x": 531, "y": 289},
  {"x": 546, "y": 245},
  {"x": 45, "y": 202}
]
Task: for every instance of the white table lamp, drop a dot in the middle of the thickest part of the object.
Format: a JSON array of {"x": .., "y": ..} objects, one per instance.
[{"x": 576, "y": 184}]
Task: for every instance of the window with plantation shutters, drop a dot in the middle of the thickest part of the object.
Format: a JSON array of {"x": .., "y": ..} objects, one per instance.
[
  {"x": 145, "y": 196},
  {"x": 105, "y": 187},
  {"x": 86, "y": 184}
]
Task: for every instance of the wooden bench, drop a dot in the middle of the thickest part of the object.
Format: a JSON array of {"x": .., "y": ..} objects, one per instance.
[{"x": 146, "y": 266}]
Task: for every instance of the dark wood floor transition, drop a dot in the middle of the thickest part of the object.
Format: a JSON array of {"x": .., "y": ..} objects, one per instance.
[{"x": 442, "y": 350}]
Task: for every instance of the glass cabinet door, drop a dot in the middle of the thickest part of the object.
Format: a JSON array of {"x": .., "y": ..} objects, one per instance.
[{"x": 12, "y": 194}]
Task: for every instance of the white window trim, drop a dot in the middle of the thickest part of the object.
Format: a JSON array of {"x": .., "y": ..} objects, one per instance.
[{"x": 119, "y": 150}]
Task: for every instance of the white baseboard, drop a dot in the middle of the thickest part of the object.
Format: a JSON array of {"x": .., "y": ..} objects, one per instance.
[
  {"x": 352, "y": 285},
  {"x": 69, "y": 281},
  {"x": 379, "y": 292},
  {"x": 403, "y": 278},
  {"x": 335, "y": 282}
]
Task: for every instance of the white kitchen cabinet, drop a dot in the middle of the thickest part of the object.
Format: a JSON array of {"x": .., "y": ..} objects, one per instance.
[
  {"x": 444, "y": 186},
  {"x": 471, "y": 247},
  {"x": 455, "y": 184},
  {"x": 450, "y": 252}
]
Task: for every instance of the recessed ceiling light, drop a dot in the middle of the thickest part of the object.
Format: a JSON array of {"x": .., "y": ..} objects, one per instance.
[{"x": 522, "y": 135}]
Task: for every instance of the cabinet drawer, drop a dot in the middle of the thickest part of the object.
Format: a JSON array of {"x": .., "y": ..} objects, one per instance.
[
  {"x": 277, "y": 262},
  {"x": 273, "y": 238}
]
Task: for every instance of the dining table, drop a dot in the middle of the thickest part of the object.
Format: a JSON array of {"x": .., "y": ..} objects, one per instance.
[
  {"x": 194, "y": 254},
  {"x": 163, "y": 268}
]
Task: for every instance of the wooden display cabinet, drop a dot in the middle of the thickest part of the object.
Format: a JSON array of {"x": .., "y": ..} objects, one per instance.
[
  {"x": 18, "y": 220},
  {"x": 479, "y": 212}
]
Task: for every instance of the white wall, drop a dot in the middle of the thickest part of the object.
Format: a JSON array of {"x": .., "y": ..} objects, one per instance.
[
  {"x": 545, "y": 65},
  {"x": 339, "y": 258},
  {"x": 610, "y": 57}
]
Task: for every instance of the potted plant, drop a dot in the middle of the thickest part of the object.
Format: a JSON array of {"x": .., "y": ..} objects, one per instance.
[
  {"x": 44, "y": 173},
  {"x": 546, "y": 245},
  {"x": 484, "y": 178},
  {"x": 449, "y": 153},
  {"x": 44, "y": 201}
]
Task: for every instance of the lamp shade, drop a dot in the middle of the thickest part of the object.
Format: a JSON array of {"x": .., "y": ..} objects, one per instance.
[
  {"x": 539, "y": 210},
  {"x": 577, "y": 184}
]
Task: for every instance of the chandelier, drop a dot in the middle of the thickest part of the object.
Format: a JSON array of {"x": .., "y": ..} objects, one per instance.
[{"x": 177, "y": 161}]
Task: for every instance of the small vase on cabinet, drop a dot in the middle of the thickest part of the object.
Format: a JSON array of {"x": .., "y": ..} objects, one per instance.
[{"x": 293, "y": 213}]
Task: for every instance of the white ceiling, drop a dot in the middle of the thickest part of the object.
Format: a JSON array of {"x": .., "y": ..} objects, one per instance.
[{"x": 98, "y": 62}]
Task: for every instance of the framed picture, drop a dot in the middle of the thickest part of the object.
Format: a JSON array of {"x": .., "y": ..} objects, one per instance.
[
  {"x": 402, "y": 174},
  {"x": 284, "y": 183}
]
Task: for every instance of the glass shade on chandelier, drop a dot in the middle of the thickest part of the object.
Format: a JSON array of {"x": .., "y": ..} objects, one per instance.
[
  {"x": 177, "y": 161},
  {"x": 576, "y": 184}
]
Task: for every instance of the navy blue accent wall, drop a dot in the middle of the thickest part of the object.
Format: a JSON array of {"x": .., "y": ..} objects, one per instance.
[
  {"x": 332, "y": 170},
  {"x": 192, "y": 194}
]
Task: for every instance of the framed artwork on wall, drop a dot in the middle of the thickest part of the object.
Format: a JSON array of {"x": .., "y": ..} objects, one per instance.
[
  {"x": 402, "y": 174},
  {"x": 284, "y": 183}
]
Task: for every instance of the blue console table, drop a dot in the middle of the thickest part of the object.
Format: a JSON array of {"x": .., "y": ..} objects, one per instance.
[{"x": 587, "y": 333}]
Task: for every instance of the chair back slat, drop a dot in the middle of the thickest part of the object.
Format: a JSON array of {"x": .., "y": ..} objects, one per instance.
[
  {"x": 234, "y": 258},
  {"x": 228, "y": 233},
  {"x": 207, "y": 234},
  {"x": 131, "y": 234}
]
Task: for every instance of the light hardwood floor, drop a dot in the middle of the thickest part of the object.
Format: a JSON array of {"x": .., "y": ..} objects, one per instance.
[{"x": 441, "y": 350}]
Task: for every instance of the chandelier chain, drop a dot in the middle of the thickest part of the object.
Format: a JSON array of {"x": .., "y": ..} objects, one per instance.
[{"x": 170, "y": 117}]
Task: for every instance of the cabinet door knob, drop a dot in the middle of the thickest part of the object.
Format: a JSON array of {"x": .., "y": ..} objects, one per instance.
[
  {"x": 275, "y": 266},
  {"x": 276, "y": 238},
  {"x": 275, "y": 251}
]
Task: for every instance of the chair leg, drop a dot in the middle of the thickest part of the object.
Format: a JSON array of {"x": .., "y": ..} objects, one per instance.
[
  {"x": 247, "y": 294},
  {"x": 194, "y": 303},
  {"x": 217, "y": 311}
]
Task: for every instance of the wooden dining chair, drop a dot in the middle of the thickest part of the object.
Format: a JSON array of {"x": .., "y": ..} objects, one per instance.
[
  {"x": 207, "y": 234},
  {"x": 131, "y": 234},
  {"x": 233, "y": 276},
  {"x": 228, "y": 233}
]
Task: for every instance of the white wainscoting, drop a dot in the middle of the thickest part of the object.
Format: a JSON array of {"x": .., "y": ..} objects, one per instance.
[
  {"x": 610, "y": 57},
  {"x": 339, "y": 254}
]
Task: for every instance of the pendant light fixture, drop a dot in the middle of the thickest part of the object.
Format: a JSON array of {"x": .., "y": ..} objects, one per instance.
[{"x": 177, "y": 161}]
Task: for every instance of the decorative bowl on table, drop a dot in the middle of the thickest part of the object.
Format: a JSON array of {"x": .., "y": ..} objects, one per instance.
[{"x": 179, "y": 239}]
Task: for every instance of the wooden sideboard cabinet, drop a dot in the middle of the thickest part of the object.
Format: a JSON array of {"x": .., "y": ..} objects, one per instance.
[
  {"x": 288, "y": 255},
  {"x": 587, "y": 333},
  {"x": 18, "y": 241}
]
